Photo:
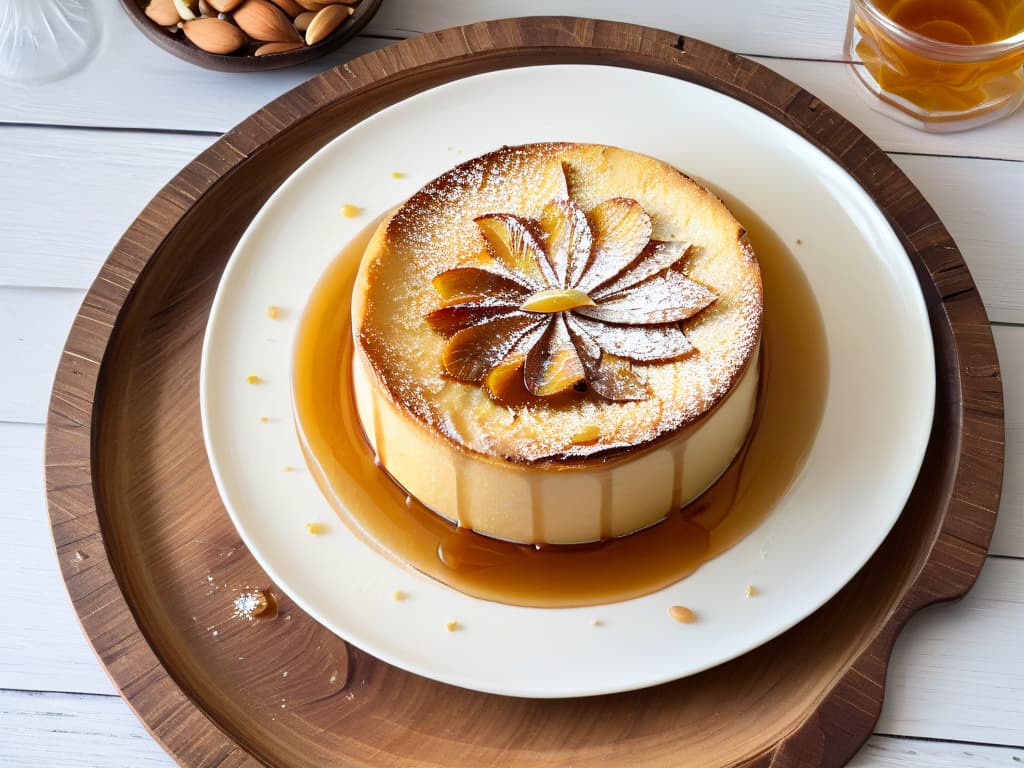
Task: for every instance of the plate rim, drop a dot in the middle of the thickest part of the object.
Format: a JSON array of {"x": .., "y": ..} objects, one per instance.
[{"x": 953, "y": 553}]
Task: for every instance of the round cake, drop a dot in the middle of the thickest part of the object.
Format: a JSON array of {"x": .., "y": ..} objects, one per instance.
[{"x": 557, "y": 343}]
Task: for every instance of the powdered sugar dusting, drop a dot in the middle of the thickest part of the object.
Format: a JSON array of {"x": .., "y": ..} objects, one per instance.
[{"x": 434, "y": 232}]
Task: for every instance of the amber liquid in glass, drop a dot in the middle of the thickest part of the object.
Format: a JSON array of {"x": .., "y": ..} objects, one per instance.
[
  {"x": 933, "y": 83},
  {"x": 794, "y": 379}
]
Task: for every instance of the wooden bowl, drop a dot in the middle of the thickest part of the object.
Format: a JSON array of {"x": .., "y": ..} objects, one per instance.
[{"x": 181, "y": 47}]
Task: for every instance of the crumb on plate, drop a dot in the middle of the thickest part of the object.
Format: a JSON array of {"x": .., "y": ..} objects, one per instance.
[{"x": 682, "y": 614}]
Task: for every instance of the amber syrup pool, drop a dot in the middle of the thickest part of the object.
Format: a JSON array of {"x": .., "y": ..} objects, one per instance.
[{"x": 791, "y": 398}]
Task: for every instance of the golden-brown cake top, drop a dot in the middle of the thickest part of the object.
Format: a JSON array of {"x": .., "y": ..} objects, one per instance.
[{"x": 558, "y": 300}]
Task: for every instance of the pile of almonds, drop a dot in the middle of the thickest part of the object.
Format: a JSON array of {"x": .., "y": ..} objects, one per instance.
[{"x": 258, "y": 26}]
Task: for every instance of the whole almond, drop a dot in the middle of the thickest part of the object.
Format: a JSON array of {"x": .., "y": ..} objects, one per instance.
[
  {"x": 214, "y": 35},
  {"x": 326, "y": 21},
  {"x": 264, "y": 21},
  {"x": 290, "y": 7},
  {"x": 163, "y": 12},
  {"x": 303, "y": 19},
  {"x": 225, "y": 6},
  {"x": 268, "y": 48}
]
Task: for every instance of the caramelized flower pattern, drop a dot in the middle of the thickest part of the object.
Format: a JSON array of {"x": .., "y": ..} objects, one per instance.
[{"x": 568, "y": 298}]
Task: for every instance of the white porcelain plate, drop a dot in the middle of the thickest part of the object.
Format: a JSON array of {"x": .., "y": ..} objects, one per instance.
[{"x": 853, "y": 486}]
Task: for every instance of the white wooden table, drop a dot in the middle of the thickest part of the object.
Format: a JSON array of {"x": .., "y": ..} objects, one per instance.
[{"x": 79, "y": 158}]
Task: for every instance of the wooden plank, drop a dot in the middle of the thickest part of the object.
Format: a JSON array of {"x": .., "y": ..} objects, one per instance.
[
  {"x": 812, "y": 29},
  {"x": 75, "y": 193},
  {"x": 887, "y": 752},
  {"x": 48, "y": 729},
  {"x": 41, "y": 646},
  {"x": 134, "y": 84},
  {"x": 957, "y": 671},
  {"x": 979, "y": 202},
  {"x": 98, "y": 180},
  {"x": 1008, "y": 537},
  {"x": 33, "y": 325}
]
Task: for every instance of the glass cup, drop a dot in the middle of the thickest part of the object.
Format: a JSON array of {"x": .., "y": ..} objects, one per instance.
[
  {"x": 45, "y": 40},
  {"x": 939, "y": 65}
]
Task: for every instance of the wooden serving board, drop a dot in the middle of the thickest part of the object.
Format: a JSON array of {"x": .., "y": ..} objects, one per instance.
[{"x": 152, "y": 561}]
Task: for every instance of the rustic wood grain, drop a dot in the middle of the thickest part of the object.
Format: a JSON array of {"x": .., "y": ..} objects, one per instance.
[{"x": 129, "y": 486}]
